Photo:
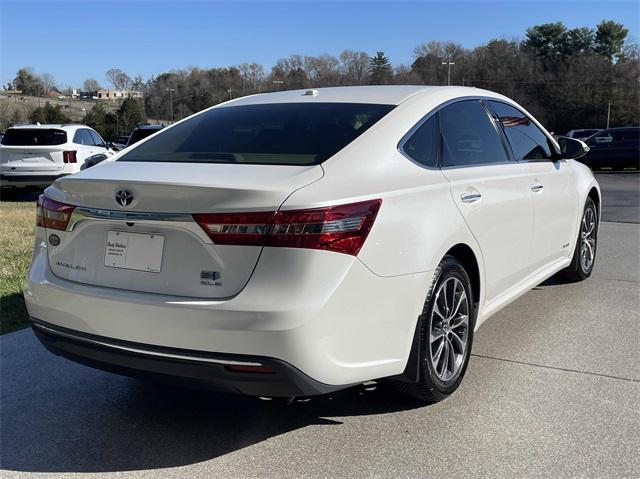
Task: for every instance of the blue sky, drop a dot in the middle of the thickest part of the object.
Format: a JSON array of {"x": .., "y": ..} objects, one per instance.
[{"x": 75, "y": 40}]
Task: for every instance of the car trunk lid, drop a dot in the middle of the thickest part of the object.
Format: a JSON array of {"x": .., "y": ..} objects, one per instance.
[{"x": 153, "y": 244}]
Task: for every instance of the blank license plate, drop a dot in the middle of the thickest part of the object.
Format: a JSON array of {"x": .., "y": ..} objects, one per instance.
[{"x": 140, "y": 252}]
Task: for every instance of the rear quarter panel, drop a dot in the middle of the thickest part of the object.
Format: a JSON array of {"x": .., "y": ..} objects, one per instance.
[{"x": 418, "y": 221}]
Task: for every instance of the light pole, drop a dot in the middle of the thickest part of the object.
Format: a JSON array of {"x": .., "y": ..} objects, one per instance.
[
  {"x": 277, "y": 82},
  {"x": 229, "y": 90},
  {"x": 171, "y": 90},
  {"x": 608, "y": 113},
  {"x": 448, "y": 63}
]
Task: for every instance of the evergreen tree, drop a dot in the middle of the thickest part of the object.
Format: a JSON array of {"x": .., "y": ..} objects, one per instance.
[
  {"x": 380, "y": 71},
  {"x": 610, "y": 38},
  {"x": 102, "y": 121},
  {"x": 49, "y": 114},
  {"x": 131, "y": 113}
]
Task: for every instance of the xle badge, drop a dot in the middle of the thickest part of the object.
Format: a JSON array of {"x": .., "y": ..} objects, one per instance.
[{"x": 210, "y": 278}]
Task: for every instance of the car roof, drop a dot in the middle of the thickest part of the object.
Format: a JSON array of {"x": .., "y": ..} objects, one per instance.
[
  {"x": 149, "y": 127},
  {"x": 376, "y": 94},
  {"x": 619, "y": 128},
  {"x": 50, "y": 125}
]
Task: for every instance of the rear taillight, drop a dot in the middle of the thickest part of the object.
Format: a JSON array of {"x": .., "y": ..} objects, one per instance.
[
  {"x": 342, "y": 228},
  {"x": 51, "y": 214},
  {"x": 236, "y": 228},
  {"x": 69, "y": 156}
]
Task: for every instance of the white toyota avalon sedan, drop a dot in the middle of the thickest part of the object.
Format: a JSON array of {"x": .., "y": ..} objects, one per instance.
[{"x": 296, "y": 243}]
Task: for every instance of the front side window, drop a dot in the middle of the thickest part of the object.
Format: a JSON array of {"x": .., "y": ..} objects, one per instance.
[
  {"x": 602, "y": 137},
  {"x": 422, "y": 146},
  {"x": 527, "y": 141},
  {"x": 97, "y": 141},
  {"x": 269, "y": 134},
  {"x": 469, "y": 136}
]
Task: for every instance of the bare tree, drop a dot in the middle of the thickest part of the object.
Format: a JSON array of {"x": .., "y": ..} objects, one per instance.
[
  {"x": 48, "y": 83},
  {"x": 322, "y": 70},
  {"x": 354, "y": 67},
  {"x": 252, "y": 76},
  {"x": 439, "y": 49},
  {"x": 284, "y": 66},
  {"x": 119, "y": 79},
  {"x": 91, "y": 84}
]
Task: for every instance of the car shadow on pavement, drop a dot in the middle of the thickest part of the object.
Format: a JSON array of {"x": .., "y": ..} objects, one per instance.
[{"x": 123, "y": 425}]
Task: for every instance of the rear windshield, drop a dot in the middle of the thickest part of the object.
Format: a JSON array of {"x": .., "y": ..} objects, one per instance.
[
  {"x": 35, "y": 137},
  {"x": 141, "y": 133},
  {"x": 271, "y": 134}
]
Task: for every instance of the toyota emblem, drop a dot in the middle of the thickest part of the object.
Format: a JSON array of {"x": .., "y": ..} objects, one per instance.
[{"x": 124, "y": 197}]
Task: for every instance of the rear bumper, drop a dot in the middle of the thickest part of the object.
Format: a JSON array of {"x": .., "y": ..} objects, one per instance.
[
  {"x": 325, "y": 314},
  {"x": 178, "y": 366},
  {"x": 19, "y": 180}
]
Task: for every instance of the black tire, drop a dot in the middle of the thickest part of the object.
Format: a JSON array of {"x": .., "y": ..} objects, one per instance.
[
  {"x": 430, "y": 387},
  {"x": 577, "y": 271}
]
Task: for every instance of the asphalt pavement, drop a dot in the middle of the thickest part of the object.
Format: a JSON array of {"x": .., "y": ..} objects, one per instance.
[
  {"x": 552, "y": 390},
  {"x": 621, "y": 202}
]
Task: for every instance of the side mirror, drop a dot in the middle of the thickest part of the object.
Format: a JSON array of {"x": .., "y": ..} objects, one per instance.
[
  {"x": 571, "y": 148},
  {"x": 93, "y": 161}
]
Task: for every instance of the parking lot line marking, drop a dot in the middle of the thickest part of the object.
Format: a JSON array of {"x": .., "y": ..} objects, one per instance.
[{"x": 557, "y": 368}]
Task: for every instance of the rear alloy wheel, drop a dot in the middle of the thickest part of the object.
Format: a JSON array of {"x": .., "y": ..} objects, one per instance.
[
  {"x": 449, "y": 329},
  {"x": 446, "y": 324},
  {"x": 584, "y": 254}
]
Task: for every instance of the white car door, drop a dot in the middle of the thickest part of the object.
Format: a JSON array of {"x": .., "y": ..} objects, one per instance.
[
  {"x": 550, "y": 183},
  {"x": 100, "y": 144},
  {"x": 490, "y": 190},
  {"x": 85, "y": 144}
]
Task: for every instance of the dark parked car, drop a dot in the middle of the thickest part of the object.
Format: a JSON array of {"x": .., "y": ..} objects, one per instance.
[
  {"x": 120, "y": 143},
  {"x": 615, "y": 148},
  {"x": 143, "y": 131}
]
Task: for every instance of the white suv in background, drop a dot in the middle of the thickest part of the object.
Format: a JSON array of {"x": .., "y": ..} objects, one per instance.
[{"x": 37, "y": 155}]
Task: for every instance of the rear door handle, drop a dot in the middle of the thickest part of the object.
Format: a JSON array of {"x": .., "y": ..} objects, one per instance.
[
  {"x": 537, "y": 187},
  {"x": 470, "y": 197}
]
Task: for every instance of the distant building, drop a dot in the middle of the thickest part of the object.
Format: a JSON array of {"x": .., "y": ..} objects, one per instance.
[
  {"x": 117, "y": 94},
  {"x": 54, "y": 93}
]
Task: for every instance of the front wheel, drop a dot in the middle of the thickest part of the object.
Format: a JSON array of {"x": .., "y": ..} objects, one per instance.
[
  {"x": 446, "y": 334},
  {"x": 584, "y": 254}
]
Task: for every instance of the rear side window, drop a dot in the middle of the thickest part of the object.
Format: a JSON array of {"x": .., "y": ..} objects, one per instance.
[
  {"x": 422, "y": 146},
  {"x": 270, "y": 134},
  {"x": 34, "y": 137},
  {"x": 469, "y": 136},
  {"x": 625, "y": 135},
  {"x": 527, "y": 141}
]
